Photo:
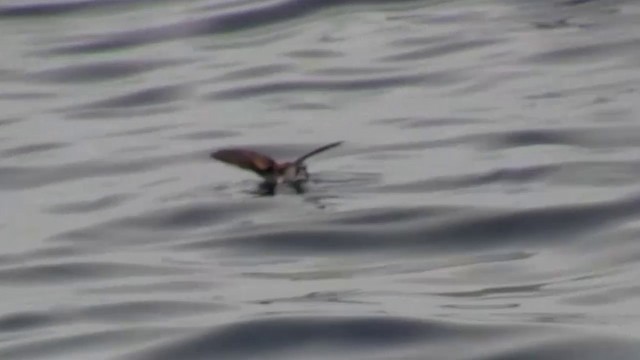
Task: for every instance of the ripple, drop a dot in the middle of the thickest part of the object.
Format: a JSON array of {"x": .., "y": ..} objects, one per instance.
[
  {"x": 390, "y": 337},
  {"x": 441, "y": 50},
  {"x": 507, "y": 175},
  {"x": 575, "y": 54},
  {"x": 591, "y": 173},
  {"x": 26, "y": 321},
  {"x": 10, "y": 121},
  {"x": 209, "y": 135},
  {"x": 140, "y": 311},
  {"x": 245, "y": 19},
  {"x": 416, "y": 122},
  {"x": 464, "y": 230},
  {"x": 158, "y": 226},
  {"x": 65, "y": 7},
  {"x": 166, "y": 287},
  {"x": 31, "y": 149},
  {"x": 99, "y": 71},
  {"x": 72, "y": 272},
  {"x": 254, "y": 72},
  {"x": 100, "y": 203},
  {"x": 272, "y": 336},
  {"x": 80, "y": 344},
  {"x": 127, "y": 113},
  {"x": 314, "y": 54},
  {"x": 154, "y": 96},
  {"x": 335, "y": 85},
  {"x": 29, "y": 177},
  {"x": 588, "y": 138},
  {"x": 32, "y": 95}
]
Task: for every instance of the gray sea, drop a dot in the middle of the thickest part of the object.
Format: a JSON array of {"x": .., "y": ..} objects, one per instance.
[{"x": 483, "y": 206}]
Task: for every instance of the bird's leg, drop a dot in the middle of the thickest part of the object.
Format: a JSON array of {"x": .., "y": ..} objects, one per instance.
[
  {"x": 298, "y": 186},
  {"x": 267, "y": 188}
]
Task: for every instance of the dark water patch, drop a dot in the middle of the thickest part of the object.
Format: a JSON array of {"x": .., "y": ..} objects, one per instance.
[
  {"x": 167, "y": 287},
  {"x": 275, "y": 87},
  {"x": 138, "y": 311},
  {"x": 418, "y": 122},
  {"x": 99, "y": 71},
  {"x": 536, "y": 137},
  {"x": 351, "y": 71},
  {"x": 254, "y": 72},
  {"x": 591, "y": 94},
  {"x": 59, "y": 8},
  {"x": 316, "y": 297},
  {"x": 284, "y": 336},
  {"x": 575, "y": 2},
  {"x": 103, "y": 202},
  {"x": 26, "y": 321},
  {"x": 553, "y": 25},
  {"x": 222, "y": 5},
  {"x": 314, "y": 54},
  {"x": 308, "y": 106},
  {"x": 494, "y": 292},
  {"x": 390, "y": 215},
  {"x": 142, "y": 112},
  {"x": 137, "y": 131},
  {"x": 586, "y": 173},
  {"x": 421, "y": 145},
  {"x": 35, "y": 95},
  {"x": 586, "y": 137},
  {"x": 191, "y": 216},
  {"x": 31, "y": 149},
  {"x": 388, "y": 337},
  {"x": 148, "y": 97},
  {"x": 67, "y": 272},
  {"x": 468, "y": 230},
  {"x": 547, "y": 95},
  {"x": 209, "y": 135},
  {"x": 499, "y": 176},
  {"x": 10, "y": 121},
  {"x": 441, "y": 50},
  {"x": 585, "y": 53}
]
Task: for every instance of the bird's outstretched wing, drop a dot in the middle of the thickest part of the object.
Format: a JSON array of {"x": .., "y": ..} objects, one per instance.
[
  {"x": 246, "y": 159},
  {"x": 304, "y": 157}
]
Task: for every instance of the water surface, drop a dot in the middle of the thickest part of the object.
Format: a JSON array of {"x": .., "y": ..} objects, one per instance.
[{"x": 483, "y": 205}]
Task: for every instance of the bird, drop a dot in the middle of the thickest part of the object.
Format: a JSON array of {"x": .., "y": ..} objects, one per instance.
[{"x": 293, "y": 173}]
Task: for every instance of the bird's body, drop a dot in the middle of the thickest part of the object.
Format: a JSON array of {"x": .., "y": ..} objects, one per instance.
[{"x": 293, "y": 173}]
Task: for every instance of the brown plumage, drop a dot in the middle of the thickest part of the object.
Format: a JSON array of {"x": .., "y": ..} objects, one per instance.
[
  {"x": 246, "y": 159},
  {"x": 294, "y": 173}
]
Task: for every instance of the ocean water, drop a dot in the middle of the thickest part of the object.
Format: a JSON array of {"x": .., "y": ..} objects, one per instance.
[{"x": 483, "y": 205}]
